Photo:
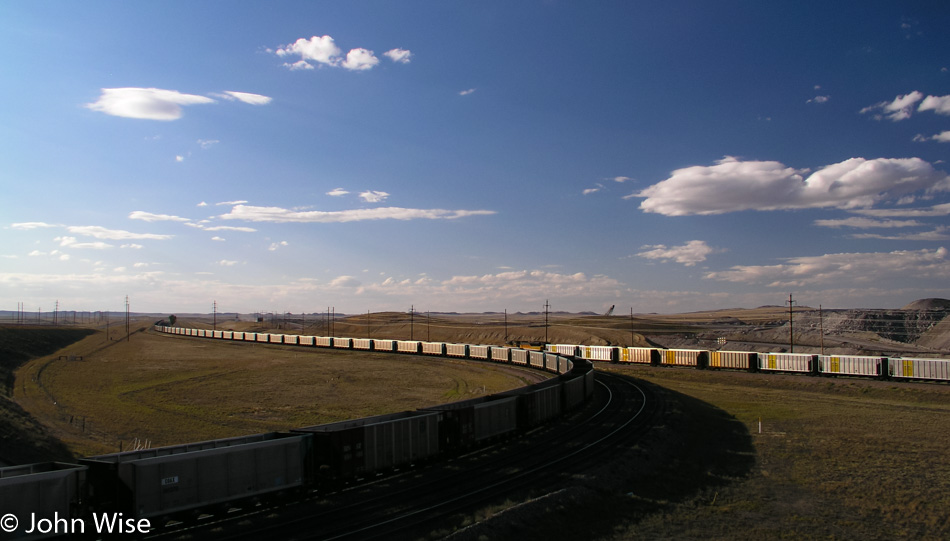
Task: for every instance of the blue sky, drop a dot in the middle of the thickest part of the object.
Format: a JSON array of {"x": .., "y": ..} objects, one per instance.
[{"x": 473, "y": 156}]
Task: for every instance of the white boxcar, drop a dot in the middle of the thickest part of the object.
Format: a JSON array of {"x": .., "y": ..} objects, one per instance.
[
  {"x": 788, "y": 362},
  {"x": 362, "y": 343},
  {"x": 456, "y": 350},
  {"x": 323, "y": 341},
  {"x": 433, "y": 348},
  {"x": 550, "y": 362},
  {"x": 852, "y": 365},
  {"x": 384, "y": 345},
  {"x": 237, "y": 336},
  {"x": 739, "y": 360},
  {"x": 250, "y": 337},
  {"x": 519, "y": 356},
  {"x": 638, "y": 355},
  {"x": 917, "y": 368},
  {"x": 263, "y": 337},
  {"x": 563, "y": 349},
  {"x": 343, "y": 343},
  {"x": 227, "y": 335},
  {"x": 291, "y": 339},
  {"x": 536, "y": 359},
  {"x": 276, "y": 338},
  {"x": 408, "y": 346},
  {"x": 218, "y": 334},
  {"x": 499, "y": 354},
  {"x": 599, "y": 353},
  {"x": 683, "y": 357},
  {"x": 305, "y": 340},
  {"x": 479, "y": 352}
]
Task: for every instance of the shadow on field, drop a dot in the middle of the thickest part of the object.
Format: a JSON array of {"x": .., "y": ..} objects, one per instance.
[{"x": 694, "y": 450}]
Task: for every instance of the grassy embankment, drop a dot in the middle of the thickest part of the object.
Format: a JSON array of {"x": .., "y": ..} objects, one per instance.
[
  {"x": 170, "y": 389},
  {"x": 836, "y": 459},
  {"x": 22, "y": 439}
]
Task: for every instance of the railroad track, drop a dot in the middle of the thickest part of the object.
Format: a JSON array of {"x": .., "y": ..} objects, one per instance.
[{"x": 434, "y": 497}]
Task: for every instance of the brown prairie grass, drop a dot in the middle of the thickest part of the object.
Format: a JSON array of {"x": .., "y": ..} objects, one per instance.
[
  {"x": 836, "y": 459},
  {"x": 170, "y": 389}
]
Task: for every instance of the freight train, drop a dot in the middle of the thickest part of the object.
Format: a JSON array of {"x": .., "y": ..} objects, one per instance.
[
  {"x": 873, "y": 366},
  {"x": 161, "y": 484}
]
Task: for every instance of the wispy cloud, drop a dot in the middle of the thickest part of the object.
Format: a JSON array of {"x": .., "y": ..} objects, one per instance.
[
  {"x": 373, "y": 196},
  {"x": 31, "y": 225},
  {"x": 689, "y": 254},
  {"x": 900, "y": 108},
  {"x": 275, "y": 245},
  {"x": 112, "y": 234},
  {"x": 281, "y": 215},
  {"x": 867, "y": 223},
  {"x": 850, "y": 268},
  {"x": 145, "y": 103},
  {"x": 401, "y": 56},
  {"x": 151, "y": 217},
  {"x": 467, "y": 92},
  {"x": 246, "y": 97},
  {"x": 337, "y": 192},
  {"x": 733, "y": 185}
]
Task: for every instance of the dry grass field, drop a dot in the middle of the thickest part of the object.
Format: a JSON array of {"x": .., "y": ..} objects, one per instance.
[
  {"x": 167, "y": 389},
  {"x": 836, "y": 459}
]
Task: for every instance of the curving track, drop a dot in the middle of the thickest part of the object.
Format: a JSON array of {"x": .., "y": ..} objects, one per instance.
[{"x": 430, "y": 498}]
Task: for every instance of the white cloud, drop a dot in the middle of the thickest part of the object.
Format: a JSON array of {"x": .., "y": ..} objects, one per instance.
[
  {"x": 150, "y": 217},
  {"x": 71, "y": 242},
  {"x": 227, "y": 263},
  {"x": 318, "y": 49},
  {"x": 589, "y": 191},
  {"x": 280, "y": 215},
  {"x": 819, "y": 99},
  {"x": 852, "y": 268},
  {"x": 344, "y": 281},
  {"x": 112, "y": 234},
  {"x": 373, "y": 196},
  {"x": 937, "y": 104},
  {"x": 902, "y": 107},
  {"x": 939, "y": 233},
  {"x": 867, "y": 223},
  {"x": 216, "y": 238},
  {"x": 467, "y": 92},
  {"x": 132, "y": 246},
  {"x": 179, "y": 158},
  {"x": 31, "y": 225},
  {"x": 942, "y": 137},
  {"x": 223, "y": 203},
  {"x": 694, "y": 251},
  {"x": 246, "y": 97},
  {"x": 145, "y": 103},
  {"x": 206, "y": 144},
  {"x": 228, "y": 228},
  {"x": 275, "y": 245},
  {"x": 621, "y": 179},
  {"x": 202, "y": 204},
  {"x": 337, "y": 192},
  {"x": 298, "y": 65},
  {"x": 401, "y": 56},
  {"x": 936, "y": 210},
  {"x": 734, "y": 185},
  {"x": 359, "y": 60}
]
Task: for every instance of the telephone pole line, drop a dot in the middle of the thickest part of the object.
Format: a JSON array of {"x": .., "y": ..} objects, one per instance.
[{"x": 791, "y": 334}]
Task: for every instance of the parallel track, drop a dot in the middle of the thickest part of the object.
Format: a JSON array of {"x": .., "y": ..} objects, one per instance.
[{"x": 412, "y": 503}]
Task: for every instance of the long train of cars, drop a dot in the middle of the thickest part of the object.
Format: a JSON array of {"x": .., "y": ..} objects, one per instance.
[
  {"x": 157, "y": 484},
  {"x": 876, "y": 366}
]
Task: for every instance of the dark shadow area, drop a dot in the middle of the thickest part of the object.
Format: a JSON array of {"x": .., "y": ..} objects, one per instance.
[
  {"x": 24, "y": 440},
  {"x": 694, "y": 449}
]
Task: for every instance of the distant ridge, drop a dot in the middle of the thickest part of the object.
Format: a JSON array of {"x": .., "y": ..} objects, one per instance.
[{"x": 928, "y": 304}]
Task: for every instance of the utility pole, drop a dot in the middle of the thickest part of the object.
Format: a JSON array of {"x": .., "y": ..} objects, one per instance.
[
  {"x": 128, "y": 326},
  {"x": 55, "y": 312},
  {"x": 412, "y": 310},
  {"x": 631, "y": 327},
  {"x": 428, "y": 336},
  {"x": 506, "y": 326},
  {"x": 214, "y": 315},
  {"x": 791, "y": 334},
  {"x": 547, "y": 306},
  {"x": 821, "y": 330}
]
